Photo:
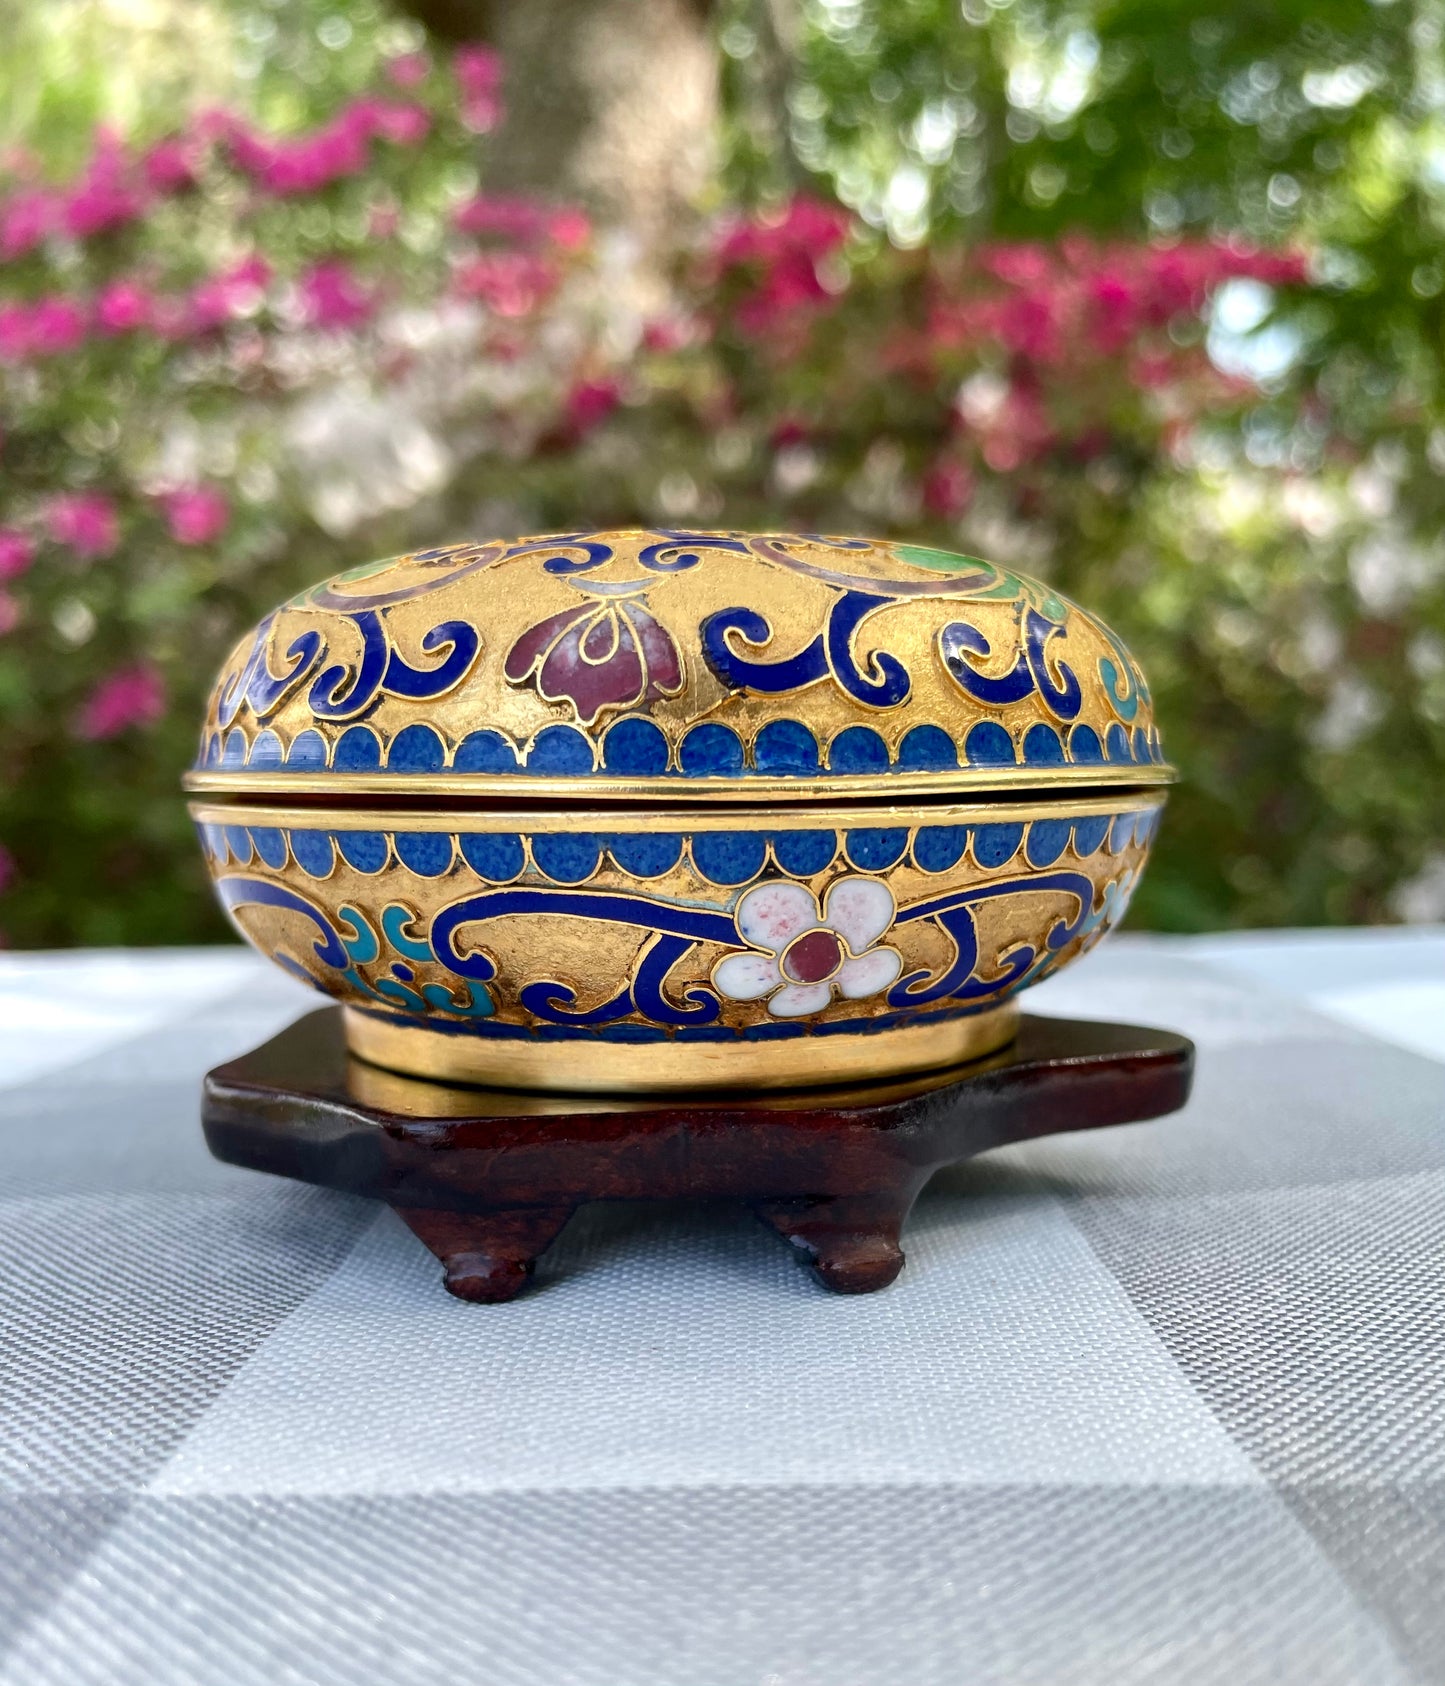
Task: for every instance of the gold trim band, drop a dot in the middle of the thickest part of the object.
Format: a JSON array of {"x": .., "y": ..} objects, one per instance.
[
  {"x": 584, "y": 792},
  {"x": 662, "y": 819},
  {"x": 670, "y": 1067}
]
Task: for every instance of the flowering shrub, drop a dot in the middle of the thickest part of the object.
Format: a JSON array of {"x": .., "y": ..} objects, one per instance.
[{"x": 232, "y": 361}]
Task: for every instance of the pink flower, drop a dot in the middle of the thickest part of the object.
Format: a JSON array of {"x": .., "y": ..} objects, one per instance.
[
  {"x": 788, "y": 431},
  {"x": 26, "y": 220},
  {"x": 170, "y": 165},
  {"x": 1175, "y": 281},
  {"x": 332, "y": 297},
  {"x": 305, "y": 166},
  {"x": 478, "y": 69},
  {"x": 590, "y": 403},
  {"x": 105, "y": 197},
  {"x": 525, "y": 222},
  {"x": 85, "y": 522},
  {"x": 308, "y": 162},
  {"x": 124, "y": 306},
  {"x": 15, "y": 338},
  {"x": 17, "y": 552},
  {"x": 1115, "y": 309},
  {"x": 510, "y": 216},
  {"x": 44, "y": 329},
  {"x": 402, "y": 122},
  {"x": 803, "y": 226},
  {"x": 782, "y": 252},
  {"x": 1029, "y": 325},
  {"x": 56, "y": 325},
  {"x": 479, "y": 73},
  {"x": 234, "y": 292},
  {"x": 1151, "y": 369},
  {"x": 250, "y": 152},
  {"x": 510, "y": 283},
  {"x": 947, "y": 489},
  {"x": 408, "y": 70},
  {"x": 131, "y": 696},
  {"x": 251, "y": 272},
  {"x": 1019, "y": 263},
  {"x": 196, "y": 514},
  {"x": 569, "y": 228},
  {"x": 664, "y": 334},
  {"x": 1280, "y": 269}
]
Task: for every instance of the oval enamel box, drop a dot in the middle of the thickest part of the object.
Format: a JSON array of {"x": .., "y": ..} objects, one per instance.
[{"x": 658, "y": 810}]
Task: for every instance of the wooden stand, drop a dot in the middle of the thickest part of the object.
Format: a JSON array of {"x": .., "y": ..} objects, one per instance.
[{"x": 487, "y": 1177}]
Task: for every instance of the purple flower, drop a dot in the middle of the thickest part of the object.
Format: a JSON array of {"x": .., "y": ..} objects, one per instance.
[{"x": 598, "y": 655}]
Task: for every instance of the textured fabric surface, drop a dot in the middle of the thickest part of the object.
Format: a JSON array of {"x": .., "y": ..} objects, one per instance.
[{"x": 1164, "y": 1403}]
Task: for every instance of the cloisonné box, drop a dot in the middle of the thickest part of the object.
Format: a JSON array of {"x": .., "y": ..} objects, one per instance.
[{"x": 663, "y": 810}]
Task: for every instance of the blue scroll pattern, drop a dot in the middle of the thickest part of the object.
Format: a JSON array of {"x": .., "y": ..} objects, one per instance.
[
  {"x": 455, "y": 940},
  {"x": 1057, "y": 686},
  {"x": 881, "y": 682},
  {"x": 342, "y": 690}
]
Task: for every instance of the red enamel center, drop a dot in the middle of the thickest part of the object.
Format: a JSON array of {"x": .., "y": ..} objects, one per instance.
[{"x": 814, "y": 956}]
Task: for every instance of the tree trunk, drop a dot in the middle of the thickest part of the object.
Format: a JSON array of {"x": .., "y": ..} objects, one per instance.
[{"x": 613, "y": 103}]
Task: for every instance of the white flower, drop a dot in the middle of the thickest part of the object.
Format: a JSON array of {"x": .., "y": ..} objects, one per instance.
[{"x": 799, "y": 956}]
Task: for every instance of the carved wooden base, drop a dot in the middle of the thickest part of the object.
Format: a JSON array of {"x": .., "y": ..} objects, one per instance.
[{"x": 486, "y": 1178}]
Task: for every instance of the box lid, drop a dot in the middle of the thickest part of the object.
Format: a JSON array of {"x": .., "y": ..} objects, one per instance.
[{"x": 671, "y": 665}]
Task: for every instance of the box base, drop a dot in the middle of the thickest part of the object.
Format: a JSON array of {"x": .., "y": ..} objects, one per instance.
[{"x": 640, "y": 1068}]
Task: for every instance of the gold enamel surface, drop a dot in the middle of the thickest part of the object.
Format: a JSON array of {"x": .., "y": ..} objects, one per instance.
[
  {"x": 504, "y": 592},
  {"x": 661, "y": 1068},
  {"x": 589, "y": 960}
]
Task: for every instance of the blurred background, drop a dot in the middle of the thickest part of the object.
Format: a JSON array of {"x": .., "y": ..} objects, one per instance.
[{"x": 1143, "y": 296}]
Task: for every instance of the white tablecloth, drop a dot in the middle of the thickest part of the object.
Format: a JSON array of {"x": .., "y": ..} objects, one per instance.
[{"x": 1159, "y": 1403}]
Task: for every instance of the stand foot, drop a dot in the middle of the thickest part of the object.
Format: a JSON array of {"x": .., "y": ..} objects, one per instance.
[
  {"x": 487, "y": 1257},
  {"x": 852, "y": 1241}
]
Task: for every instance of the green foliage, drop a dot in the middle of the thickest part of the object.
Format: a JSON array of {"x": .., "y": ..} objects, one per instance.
[{"x": 1297, "y": 646}]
